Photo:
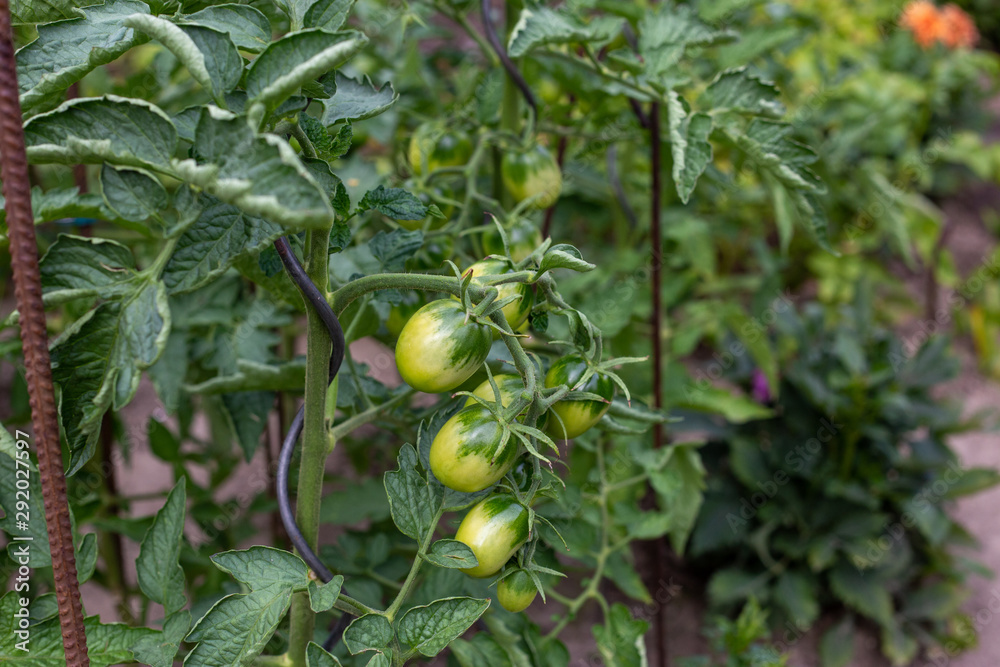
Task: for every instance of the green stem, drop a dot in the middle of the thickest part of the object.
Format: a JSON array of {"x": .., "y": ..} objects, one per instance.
[
  {"x": 368, "y": 416},
  {"x": 393, "y": 609},
  {"x": 314, "y": 437},
  {"x": 349, "y": 605}
]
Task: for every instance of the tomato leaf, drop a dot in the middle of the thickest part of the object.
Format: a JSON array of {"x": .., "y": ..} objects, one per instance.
[
  {"x": 355, "y": 99},
  {"x": 371, "y": 632},
  {"x": 133, "y": 194},
  {"x": 236, "y": 629},
  {"x": 66, "y": 51},
  {"x": 317, "y": 656},
  {"x": 689, "y": 144},
  {"x": 245, "y": 25},
  {"x": 158, "y": 568},
  {"x": 160, "y": 649},
  {"x": 285, "y": 65},
  {"x": 264, "y": 567},
  {"x": 540, "y": 26},
  {"x": 323, "y": 596},
  {"x": 411, "y": 500},
  {"x": 451, "y": 554},
  {"x": 430, "y": 628},
  {"x": 395, "y": 203}
]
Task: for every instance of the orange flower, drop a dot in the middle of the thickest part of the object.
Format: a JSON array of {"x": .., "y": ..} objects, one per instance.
[
  {"x": 960, "y": 30},
  {"x": 924, "y": 20}
]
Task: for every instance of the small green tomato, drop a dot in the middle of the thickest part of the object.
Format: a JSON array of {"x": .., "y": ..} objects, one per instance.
[
  {"x": 577, "y": 416},
  {"x": 438, "y": 349},
  {"x": 532, "y": 174},
  {"x": 439, "y": 146},
  {"x": 516, "y": 591},
  {"x": 466, "y": 455},
  {"x": 516, "y": 312},
  {"x": 494, "y": 529}
]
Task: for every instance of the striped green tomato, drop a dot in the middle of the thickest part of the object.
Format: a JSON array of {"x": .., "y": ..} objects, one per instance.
[
  {"x": 577, "y": 416},
  {"x": 439, "y": 147},
  {"x": 510, "y": 387},
  {"x": 464, "y": 454},
  {"x": 516, "y": 312},
  {"x": 494, "y": 529},
  {"x": 438, "y": 349},
  {"x": 516, "y": 591},
  {"x": 532, "y": 173},
  {"x": 523, "y": 236}
]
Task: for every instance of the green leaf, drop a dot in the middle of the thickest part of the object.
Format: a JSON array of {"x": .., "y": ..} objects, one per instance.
[
  {"x": 107, "y": 644},
  {"x": 97, "y": 363},
  {"x": 542, "y": 25},
  {"x": 260, "y": 173},
  {"x": 42, "y": 11},
  {"x": 392, "y": 249},
  {"x": 323, "y": 596},
  {"x": 481, "y": 651},
  {"x": 680, "y": 484},
  {"x": 861, "y": 594},
  {"x": 247, "y": 27},
  {"x": 86, "y": 557},
  {"x": 295, "y": 59},
  {"x": 160, "y": 649},
  {"x": 38, "y": 552},
  {"x": 254, "y": 376},
  {"x": 735, "y": 408},
  {"x": 158, "y": 568},
  {"x": 264, "y": 567},
  {"x": 411, "y": 500},
  {"x": 316, "y": 656},
  {"x": 66, "y": 51},
  {"x": 900, "y": 647},
  {"x": 667, "y": 31},
  {"x": 836, "y": 649},
  {"x": 236, "y": 629},
  {"x": 132, "y": 194},
  {"x": 208, "y": 54},
  {"x": 938, "y": 601},
  {"x": 395, "y": 203},
  {"x": 621, "y": 571},
  {"x": 58, "y": 203},
  {"x": 796, "y": 593},
  {"x": 328, "y": 14},
  {"x": 247, "y": 412},
  {"x": 734, "y": 585},
  {"x": 689, "y": 144},
  {"x": 564, "y": 256},
  {"x": 620, "y": 641},
  {"x": 355, "y": 99},
  {"x": 747, "y": 331},
  {"x": 430, "y": 628},
  {"x": 75, "y": 267},
  {"x": 208, "y": 248},
  {"x": 371, "y": 632},
  {"x": 739, "y": 90},
  {"x": 121, "y": 131},
  {"x": 973, "y": 480},
  {"x": 452, "y": 554}
]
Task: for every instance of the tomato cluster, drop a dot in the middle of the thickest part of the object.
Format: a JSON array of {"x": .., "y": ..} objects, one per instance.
[{"x": 440, "y": 347}]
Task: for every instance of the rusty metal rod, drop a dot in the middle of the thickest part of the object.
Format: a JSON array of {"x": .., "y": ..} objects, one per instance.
[{"x": 34, "y": 340}]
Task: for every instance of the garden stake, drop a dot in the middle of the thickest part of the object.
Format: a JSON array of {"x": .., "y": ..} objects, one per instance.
[
  {"x": 657, "y": 322},
  {"x": 38, "y": 372}
]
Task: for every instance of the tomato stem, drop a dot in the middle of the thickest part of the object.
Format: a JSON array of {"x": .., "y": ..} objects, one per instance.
[{"x": 314, "y": 437}]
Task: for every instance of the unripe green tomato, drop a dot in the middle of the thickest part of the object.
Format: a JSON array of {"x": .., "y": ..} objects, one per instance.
[
  {"x": 438, "y": 350},
  {"x": 466, "y": 455},
  {"x": 532, "y": 173},
  {"x": 510, "y": 387},
  {"x": 516, "y": 312},
  {"x": 522, "y": 238},
  {"x": 440, "y": 147},
  {"x": 549, "y": 90},
  {"x": 577, "y": 416},
  {"x": 401, "y": 313},
  {"x": 494, "y": 529},
  {"x": 516, "y": 591}
]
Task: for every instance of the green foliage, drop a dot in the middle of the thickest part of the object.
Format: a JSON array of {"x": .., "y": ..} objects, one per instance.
[{"x": 801, "y": 509}]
